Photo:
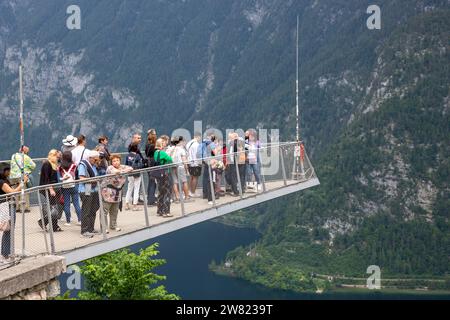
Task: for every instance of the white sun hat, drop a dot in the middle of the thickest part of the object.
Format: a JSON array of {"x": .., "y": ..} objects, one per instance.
[{"x": 70, "y": 141}]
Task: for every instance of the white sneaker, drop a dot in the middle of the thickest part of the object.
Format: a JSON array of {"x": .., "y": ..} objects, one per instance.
[
  {"x": 79, "y": 223},
  {"x": 259, "y": 187},
  {"x": 67, "y": 224}
]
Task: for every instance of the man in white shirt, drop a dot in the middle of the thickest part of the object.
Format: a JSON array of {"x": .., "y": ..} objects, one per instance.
[
  {"x": 195, "y": 165},
  {"x": 80, "y": 152}
]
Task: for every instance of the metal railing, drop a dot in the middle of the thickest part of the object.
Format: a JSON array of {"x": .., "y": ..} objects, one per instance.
[{"x": 27, "y": 237}]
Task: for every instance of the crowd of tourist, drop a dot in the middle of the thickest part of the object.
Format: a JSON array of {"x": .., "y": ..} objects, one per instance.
[{"x": 210, "y": 158}]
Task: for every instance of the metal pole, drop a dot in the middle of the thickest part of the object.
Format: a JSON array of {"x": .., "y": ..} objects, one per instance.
[
  {"x": 180, "y": 192},
  {"x": 296, "y": 84},
  {"x": 283, "y": 169},
  {"x": 49, "y": 217},
  {"x": 144, "y": 194},
  {"x": 211, "y": 184},
  {"x": 12, "y": 233},
  {"x": 261, "y": 173},
  {"x": 42, "y": 219},
  {"x": 103, "y": 225},
  {"x": 22, "y": 143},
  {"x": 238, "y": 176}
]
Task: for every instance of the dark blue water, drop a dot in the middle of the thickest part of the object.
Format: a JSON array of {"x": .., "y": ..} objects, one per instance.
[{"x": 189, "y": 251}]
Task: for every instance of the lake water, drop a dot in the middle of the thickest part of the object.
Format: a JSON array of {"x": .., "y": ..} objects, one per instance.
[{"x": 189, "y": 251}]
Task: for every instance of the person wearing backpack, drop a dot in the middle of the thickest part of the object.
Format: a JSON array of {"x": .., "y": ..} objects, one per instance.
[
  {"x": 134, "y": 160},
  {"x": 162, "y": 177},
  {"x": 207, "y": 149},
  {"x": 88, "y": 194},
  {"x": 66, "y": 174},
  {"x": 16, "y": 173},
  {"x": 80, "y": 152}
]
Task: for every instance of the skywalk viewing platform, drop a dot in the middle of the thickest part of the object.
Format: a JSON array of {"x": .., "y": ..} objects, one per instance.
[{"x": 279, "y": 178}]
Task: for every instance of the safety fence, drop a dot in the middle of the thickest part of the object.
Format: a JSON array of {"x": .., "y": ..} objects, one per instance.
[{"x": 66, "y": 216}]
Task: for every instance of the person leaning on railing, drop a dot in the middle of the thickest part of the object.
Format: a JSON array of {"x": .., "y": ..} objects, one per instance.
[
  {"x": 7, "y": 209},
  {"x": 112, "y": 190}
]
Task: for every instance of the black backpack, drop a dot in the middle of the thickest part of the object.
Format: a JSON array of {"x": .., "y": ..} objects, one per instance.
[{"x": 157, "y": 173}]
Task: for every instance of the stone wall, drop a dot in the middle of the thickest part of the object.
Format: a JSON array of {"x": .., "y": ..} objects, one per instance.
[{"x": 32, "y": 279}]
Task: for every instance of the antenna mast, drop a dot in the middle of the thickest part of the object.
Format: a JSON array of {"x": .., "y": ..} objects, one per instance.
[
  {"x": 299, "y": 171},
  {"x": 22, "y": 143}
]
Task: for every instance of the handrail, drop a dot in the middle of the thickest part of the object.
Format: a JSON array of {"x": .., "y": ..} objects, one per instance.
[
  {"x": 124, "y": 153},
  {"x": 134, "y": 172}
]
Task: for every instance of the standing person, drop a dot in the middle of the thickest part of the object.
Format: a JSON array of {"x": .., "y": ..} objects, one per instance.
[
  {"x": 179, "y": 173},
  {"x": 137, "y": 139},
  {"x": 253, "y": 161},
  {"x": 89, "y": 194},
  {"x": 150, "y": 153},
  {"x": 49, "y": 176},
  {"x": 112, "y": 190},
  {"x": 8, "y": 206},
  {"x": 162, "y": 176},
  {"x": 233, "y": 158},
  {"x": 69, "y": 143},
  {"x": 105, "y": 155},
  {"x": 80, "y": 152},
  {"x": 16, "y": 174},
  {"x": 207, "y": 149},
  {"x": 166, "y": 141},
  {"x": 134, "y": 160},
  {"x": 218, "y": 168},
  {"x": 195, "y": 164},
  {"x": 66, "y": 174},
  {"x": 168, "y": 148}
]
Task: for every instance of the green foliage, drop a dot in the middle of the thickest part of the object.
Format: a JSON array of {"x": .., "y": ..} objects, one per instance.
[{"x": 122, "y": 275}]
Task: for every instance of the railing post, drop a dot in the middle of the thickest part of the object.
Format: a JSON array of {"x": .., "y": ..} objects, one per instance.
[
  {"x": 238, "y": 176},
  {"x": 211, "y": 183},
  {"x": 283, "y": 168},
  {"x": 42, "y": 219},
  {"x": 22, "y": 209},
  {"x": 180, "y": 192},
  {"x": 50, "y": 220},
  {"x": 261, "y": 173},
  {"x": 12, "y": 233},
  {"x": 103, "y": 224},
  {"x": 144, "y": 194}
]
